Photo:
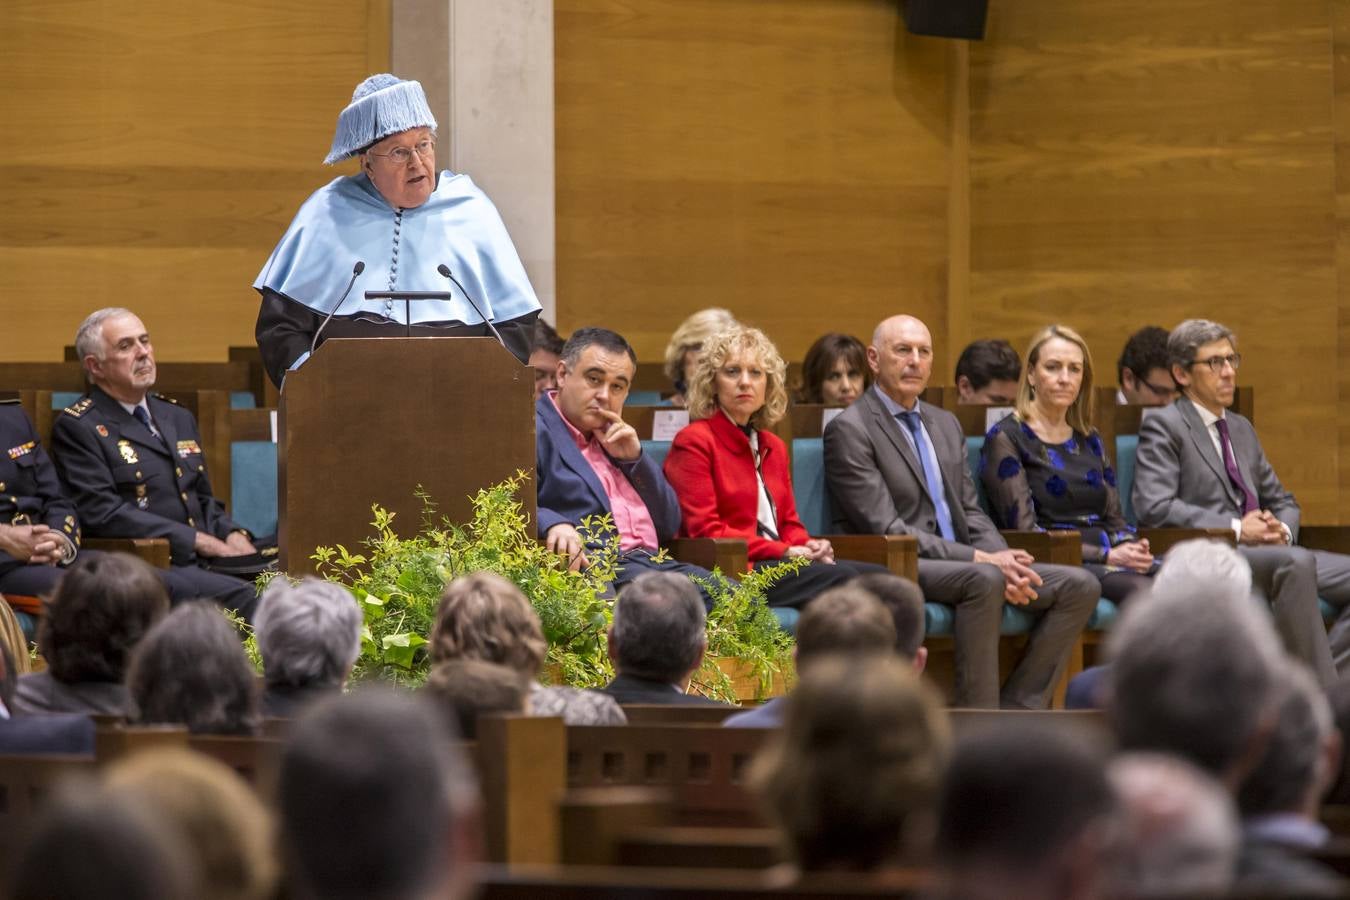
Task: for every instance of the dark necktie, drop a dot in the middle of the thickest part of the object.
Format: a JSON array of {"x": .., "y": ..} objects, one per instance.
[
  {"x": 1234, "y": 473},
  {"x": 944, "y": 516},
  {"x": 143, "y": 416}
]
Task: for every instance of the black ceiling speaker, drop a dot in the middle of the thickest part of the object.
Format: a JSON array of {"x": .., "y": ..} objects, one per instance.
[{"x": 947, "y": 18}]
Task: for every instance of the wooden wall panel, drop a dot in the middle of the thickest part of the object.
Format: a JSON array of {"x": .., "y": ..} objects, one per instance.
[
  {"x": 157, "y": 150},
  {"x": 1136, "y": 162},
  {"x": 786, "y": 160},
  {"x": 1341, "y": 121}
]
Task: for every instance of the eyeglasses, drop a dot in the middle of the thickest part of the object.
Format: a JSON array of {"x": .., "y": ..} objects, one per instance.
[
  {"x": 1156, "y": 389},
  {"x": 402, "y": 155},
  {"x": 1216, "y": 363}
]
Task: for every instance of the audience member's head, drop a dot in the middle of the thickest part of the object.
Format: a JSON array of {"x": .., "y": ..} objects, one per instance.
[
  {"x": 834, "y": 371},
  {"x": 1338, "y": 695},
  {"x": 101, "y": 609},
  {"x": 375, "y": 802},
  {"x": 686, "y": 343},
  {"x": 851, "y": 778},
  {"x": 309, "y": 634},
  {"x": 1204, "y": 360},
  {"x": 1051, "y": 355},
  {"x": 1197, "y": 628},
  {"x": 1179, "y": 829},
  {"x": 191, "y": 670},
  {"x": 226, "y": 827},
  {"x": 484, "y": 616},
  {"x": 594, "y": 377},
  {"x": 739, "y": 348},
  {"x": 660, "y": 629},
  {"x": 988, "y": 372},
  {"x": 545, "y": 351},
  {"x": 1025, "y": 813},
  {"x": 465, "y": 689},
  {"x": 848, "y": 620},
  {"x": 901, "y": 358},
  {"x": 1302, "y": 757},
  {"x": 1144, "y": 370},
  {"x": 89, "y": 844},
  {"x": 116, "y": 354},
  {"x": 904, "y": 601}
]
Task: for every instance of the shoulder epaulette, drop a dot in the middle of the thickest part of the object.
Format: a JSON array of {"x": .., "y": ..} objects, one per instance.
[
  {"x": 165, "y": 399},
  {"x": 79, "y": 408}
]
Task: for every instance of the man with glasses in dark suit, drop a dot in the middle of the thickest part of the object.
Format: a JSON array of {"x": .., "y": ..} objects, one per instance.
[{"x": 1200, "y": 465}]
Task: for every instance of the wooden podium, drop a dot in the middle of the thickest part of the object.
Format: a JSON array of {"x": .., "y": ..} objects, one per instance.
[{"x": 367, "y": 420}]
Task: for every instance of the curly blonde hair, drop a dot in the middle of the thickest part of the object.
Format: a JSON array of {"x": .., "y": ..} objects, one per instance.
[
  {"x": 692, "y": 333},
  {"x": 484, "y": 616},
  {"x": 701, "y": 394}
]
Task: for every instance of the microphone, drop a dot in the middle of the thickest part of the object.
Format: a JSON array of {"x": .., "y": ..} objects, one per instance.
[
  {"x": 445, "y": 271},
  {"x": 356, "y": 271}
]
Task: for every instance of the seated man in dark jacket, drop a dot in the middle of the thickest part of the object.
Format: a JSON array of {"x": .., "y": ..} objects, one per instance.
[
  {"x": 590, "y": 462},
  {"x": 133, "y": 462},
  {"x": 657, "y": 640},
  {"x": 39, "y": 733}
]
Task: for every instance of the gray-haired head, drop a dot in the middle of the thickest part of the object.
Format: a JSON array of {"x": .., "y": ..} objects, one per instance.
[
  {"x": 1180, "y": 827},
  {"x": 1202, "y": 567},
  {"x": 1296, "y": 765},
  {"x": 308, "y": 634},
  {"x": 1192, "y": 334},
  {"x": 658, "y": 629},
  {"x": 89, "y": 336},
  {"x": 1172, "y": 647}
]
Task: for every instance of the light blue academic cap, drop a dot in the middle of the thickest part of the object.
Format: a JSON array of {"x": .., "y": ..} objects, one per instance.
[{"x": 381, "y": 105}]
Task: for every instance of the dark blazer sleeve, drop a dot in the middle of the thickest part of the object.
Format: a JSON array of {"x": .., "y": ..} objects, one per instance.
[
  {"x": 40, "y": 496},
  {"x": 214, "y": 519},
  {"x": 857, "y": 489},
  {"x": 284, "y": 331},
  {"x": 550, "y": 491},
  {"x": 650, "y": 483},
  {"x": 89, "y": 482}
]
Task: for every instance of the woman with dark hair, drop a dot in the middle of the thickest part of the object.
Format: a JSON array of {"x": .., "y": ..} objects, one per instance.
[
  {"x": 1045, "y": 466},
  {"x": 835, "y": 371},
  {"x": 101, "y": 609},
  {"x": 191, "y": 670},
  {"x": 731, "y": 472}
]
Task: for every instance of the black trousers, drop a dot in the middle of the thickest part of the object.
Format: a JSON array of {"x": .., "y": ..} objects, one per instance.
[{"x": 802, "y": 587}]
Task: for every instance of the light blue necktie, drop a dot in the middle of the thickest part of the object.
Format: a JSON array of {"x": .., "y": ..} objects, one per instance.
[{"x": 944, "y": 516}]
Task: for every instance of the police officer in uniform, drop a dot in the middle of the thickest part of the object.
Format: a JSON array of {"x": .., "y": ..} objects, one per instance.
[
  {"x": 38, "y": 529},
  {"x": 132, "y": 461}
]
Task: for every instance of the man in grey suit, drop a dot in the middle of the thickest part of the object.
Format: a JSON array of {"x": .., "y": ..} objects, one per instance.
[
  {"x": 1200, "y": 465},
  {"x": 895, "y": 465}
]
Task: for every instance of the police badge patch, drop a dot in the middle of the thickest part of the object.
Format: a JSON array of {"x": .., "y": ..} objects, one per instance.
[{"x": 128, "y": 452}]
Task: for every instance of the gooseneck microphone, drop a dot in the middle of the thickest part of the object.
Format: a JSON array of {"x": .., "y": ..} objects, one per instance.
[
  {"x": 445, "y": 271},
  {"x": 356, "y": 271}
]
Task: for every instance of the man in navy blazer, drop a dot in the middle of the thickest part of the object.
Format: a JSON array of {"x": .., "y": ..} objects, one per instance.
[{"x": 590, "y": 462}]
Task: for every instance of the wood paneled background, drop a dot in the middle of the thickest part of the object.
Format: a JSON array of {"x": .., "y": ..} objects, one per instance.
[
  {"x": 806, "y": 163},
  {"x": 1109, "y": 165},
  {"x": 156, "y": 152}
]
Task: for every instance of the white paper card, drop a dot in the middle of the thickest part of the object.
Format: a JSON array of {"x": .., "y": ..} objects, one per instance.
[
  {"x": 827, "y": 416},
  {"x": 666, "y": 423},
  {"x": 274, "y": 426}
]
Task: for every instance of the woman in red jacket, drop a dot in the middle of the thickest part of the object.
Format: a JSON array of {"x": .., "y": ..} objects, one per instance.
[{"x": 731, "y": 475}]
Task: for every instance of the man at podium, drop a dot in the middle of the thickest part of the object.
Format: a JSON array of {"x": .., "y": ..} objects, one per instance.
[{"x": 396, "y": 225}]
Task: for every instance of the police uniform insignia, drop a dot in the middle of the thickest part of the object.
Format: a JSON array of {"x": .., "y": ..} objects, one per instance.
[
  {"x": 80, "y": 408},
  {"x": 188, "y": 448},
  {"x": 165, "y": 399},
  {"x": 21, "y": 450},
  {"x": 128, "y": 453},
  {"x": 102, "y": 430},
  {"x": 142, "y": 501}
]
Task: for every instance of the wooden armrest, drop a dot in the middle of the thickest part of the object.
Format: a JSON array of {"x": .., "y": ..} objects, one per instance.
[
  {"x": 1160, "y": 540},
  {"x": 897, "y": 552},
  {"x": 728, "y": 554},
  {"x": 1335, "y": 538},
  {"x": 1062, "y": 548},
  {"x": 155, "y": 551}
]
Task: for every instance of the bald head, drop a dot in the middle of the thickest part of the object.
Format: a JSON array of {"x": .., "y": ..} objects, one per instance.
[{"x": 901, "y": 358}]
